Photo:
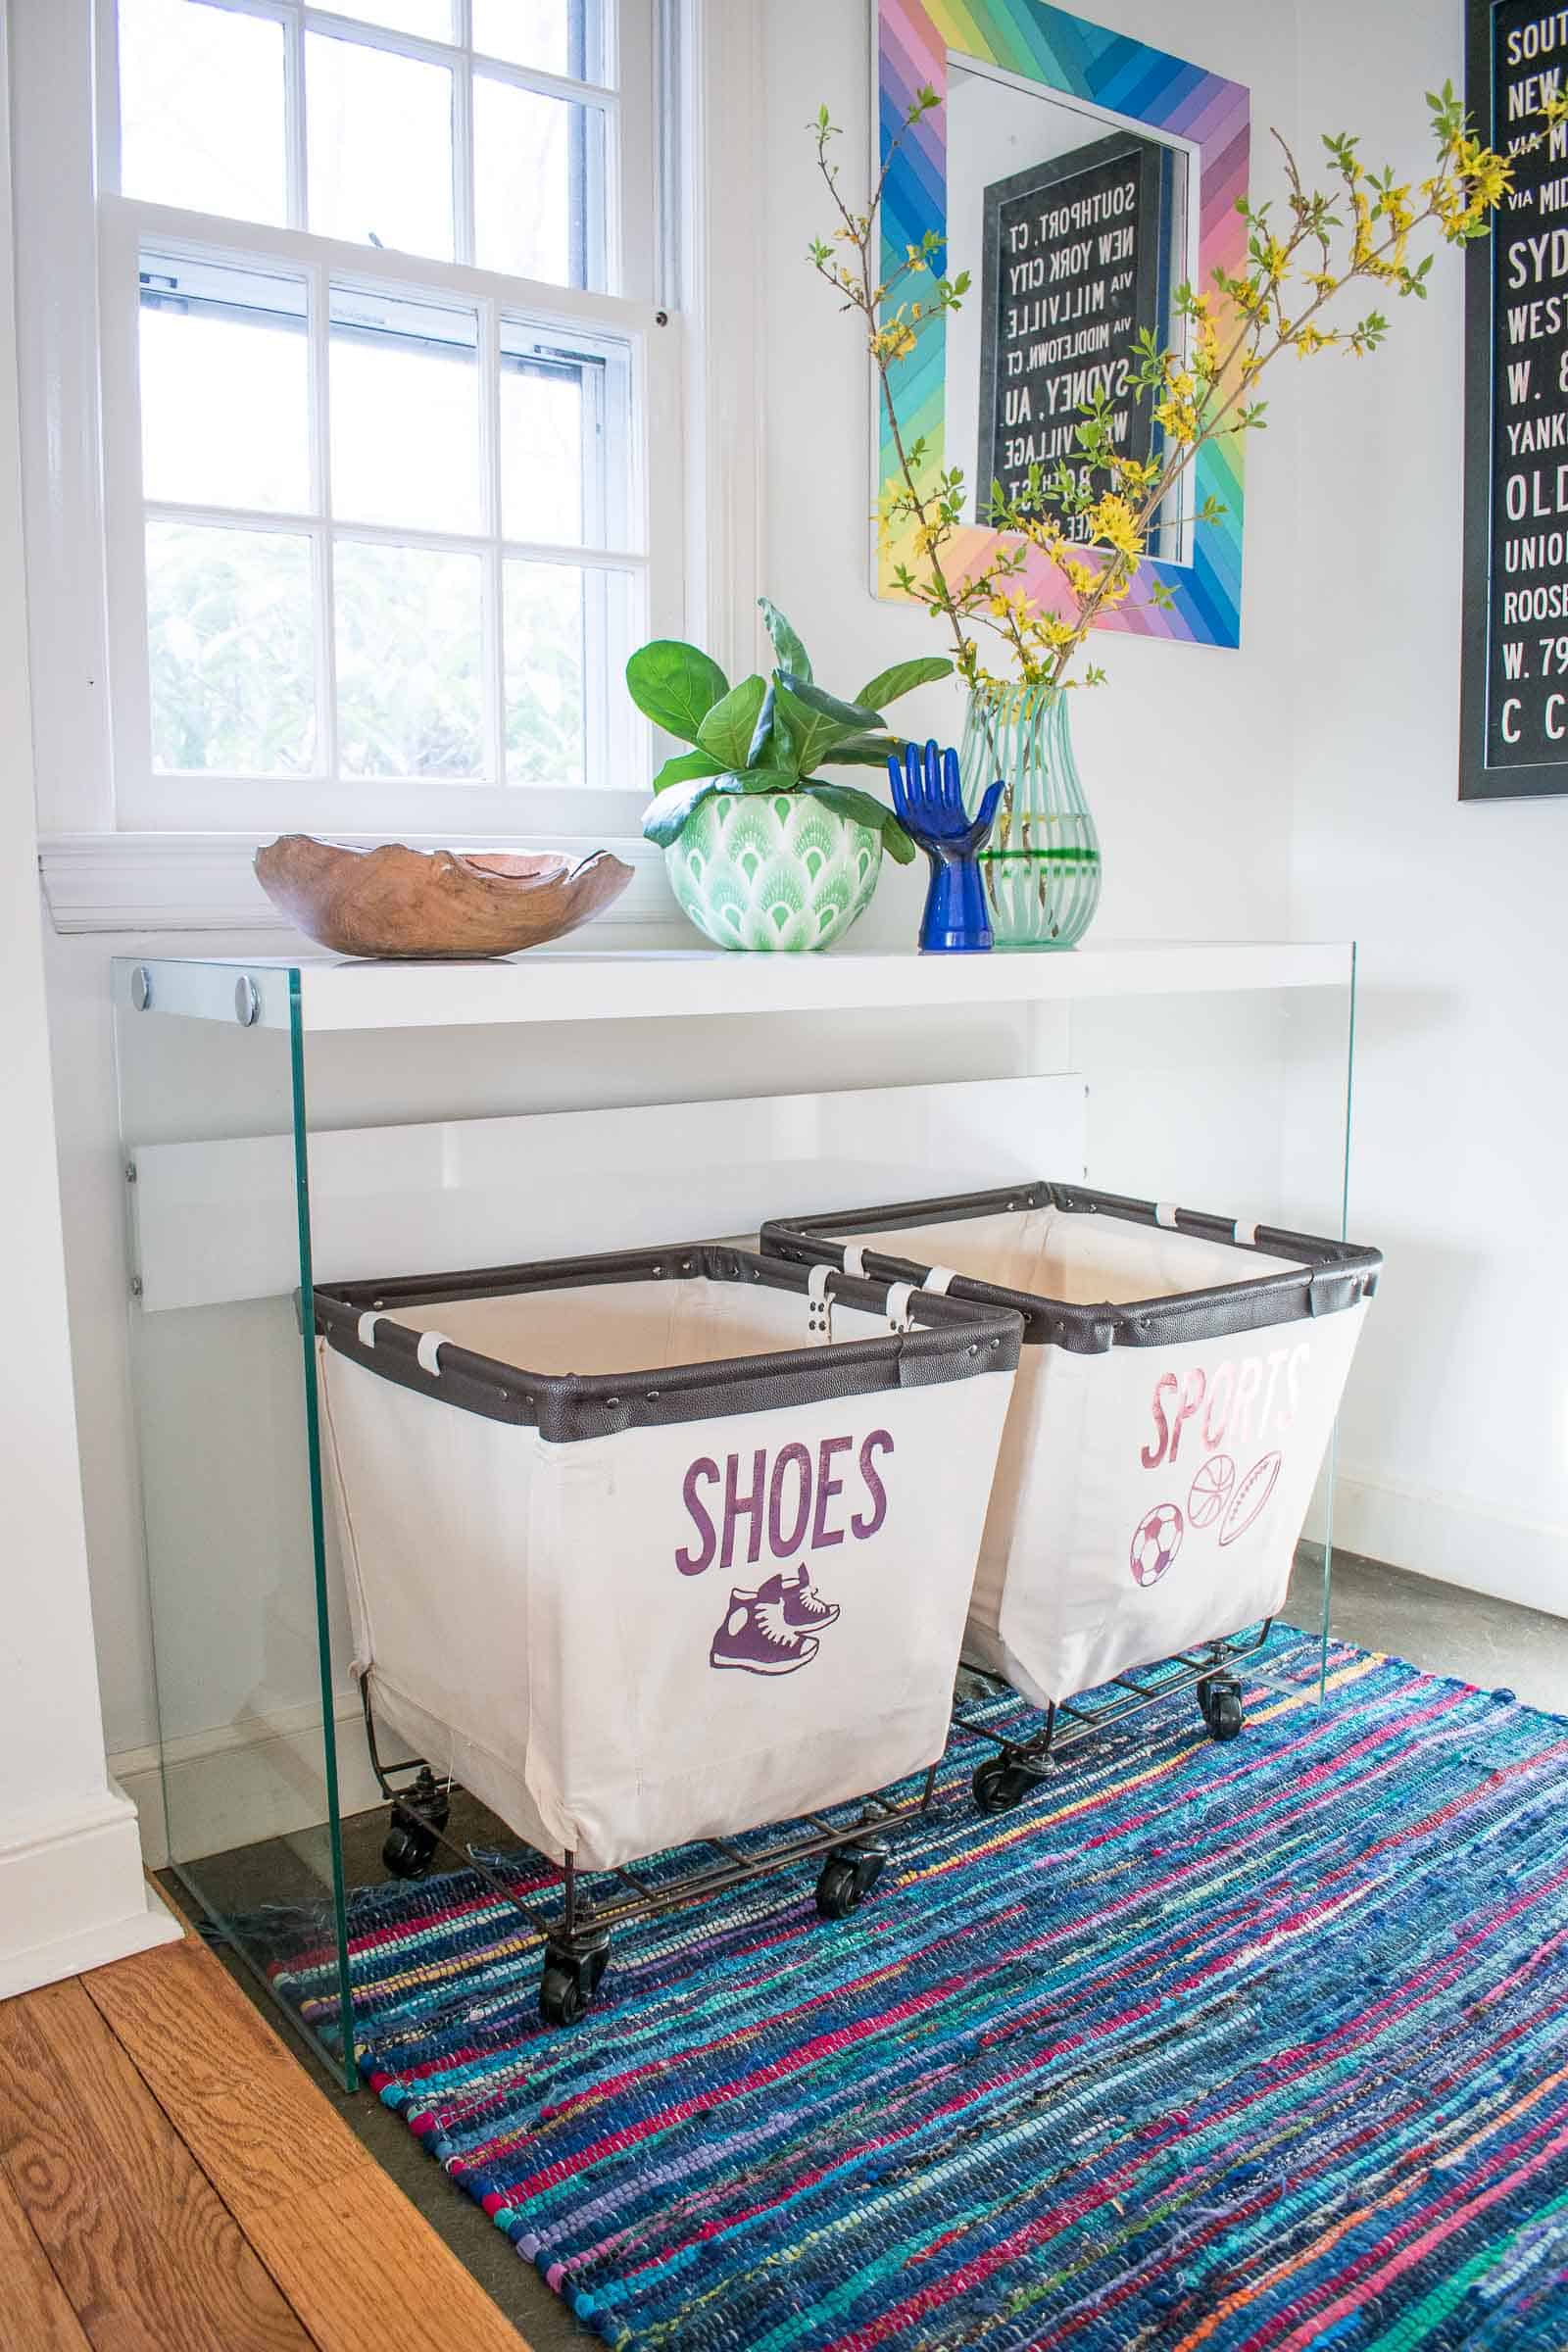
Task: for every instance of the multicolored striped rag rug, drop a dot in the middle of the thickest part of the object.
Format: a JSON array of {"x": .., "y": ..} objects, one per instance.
[{"x": 1248, "y": 2047}]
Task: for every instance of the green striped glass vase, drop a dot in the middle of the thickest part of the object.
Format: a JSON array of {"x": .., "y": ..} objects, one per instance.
[{"x": 1042, "y": 862}]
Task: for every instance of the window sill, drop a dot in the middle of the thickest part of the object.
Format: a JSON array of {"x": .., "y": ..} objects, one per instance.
[{"x": 176, "y": 882}]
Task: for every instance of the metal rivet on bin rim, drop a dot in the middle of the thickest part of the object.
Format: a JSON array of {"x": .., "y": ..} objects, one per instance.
[
  {"x": 141, "y": 988},
  {"x": 247, "y": 1001}
]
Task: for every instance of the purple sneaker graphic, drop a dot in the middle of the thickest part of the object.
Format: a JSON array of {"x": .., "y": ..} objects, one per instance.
[
  {"x": 804, "y": 1605},
  {"x": 757, "y": 1637}
]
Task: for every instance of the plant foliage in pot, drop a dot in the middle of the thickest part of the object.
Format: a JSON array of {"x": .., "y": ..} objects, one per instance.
[{"x": 762, "y": 850}]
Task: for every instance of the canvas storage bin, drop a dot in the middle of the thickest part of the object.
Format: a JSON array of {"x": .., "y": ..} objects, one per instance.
[
  {"x": 1179, "y": 1381},
  {"x": 660, "y": 1545}
]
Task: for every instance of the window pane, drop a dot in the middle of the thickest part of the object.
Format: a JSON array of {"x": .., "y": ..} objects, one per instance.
[
  {"x": 201, "y": 109},
  {"x": 545, "y": 652},
  {"x": 554, "y": 36},
  {"x": 409, "y": 661},
  {"x": 380, "y": 147},
  {"x": 404, "y": 404},
  {"x": 224, "y": 386},
  {"x": 432, "y": 19},
  {"x": 541, "y": 454},
  {"x": 231, "y": 645},
  {"x": 538, "y": 182}
]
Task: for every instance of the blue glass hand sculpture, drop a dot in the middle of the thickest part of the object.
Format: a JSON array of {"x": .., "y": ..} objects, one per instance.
[{"x": 929, "y": 804}]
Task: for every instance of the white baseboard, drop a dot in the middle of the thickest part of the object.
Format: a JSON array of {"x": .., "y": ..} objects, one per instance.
[
  {"x": 72, "y": 1896},
  {"x": 254, "y": 1778},
  {"x": 1453, "y": 1540}
]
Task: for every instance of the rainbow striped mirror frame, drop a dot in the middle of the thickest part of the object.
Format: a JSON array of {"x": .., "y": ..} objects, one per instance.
[{"x": 1081, "y": 61}]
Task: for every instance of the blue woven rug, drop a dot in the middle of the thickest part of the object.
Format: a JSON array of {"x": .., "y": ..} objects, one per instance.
[{"x": 1248, "y": 2047}]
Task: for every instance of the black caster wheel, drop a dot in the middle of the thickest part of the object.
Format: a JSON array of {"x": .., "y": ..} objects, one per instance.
[
  {"x": 847, "y": 1878},
  {"x": 999, "y": 1786},
  {"x": 1221, "y": 1703},
  {"x": 571, "y": 1978},
  {"x": 409, "y": 1852},
  {"x": 562, "y": 1999},
  {"x": 418, "y": 1820}
]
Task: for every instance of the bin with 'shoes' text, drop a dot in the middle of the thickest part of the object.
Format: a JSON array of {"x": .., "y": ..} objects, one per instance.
[
  {"x": 1178, "y": 1386},
  {"x": 659, "y": 1546}
]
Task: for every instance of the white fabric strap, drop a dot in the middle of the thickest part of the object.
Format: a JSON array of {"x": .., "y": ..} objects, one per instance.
[
  {"x": 368, "y": 1324},
  {"x": 430, "y": 1345},
  {"x": 1165, "y": 1215},
  {"x": 900, "y": 1295},
  {"x": 855, "y": 1258},
  {"x": 819, "y": 1307},
  {"x": 1244, "y": 1235},
  {"x": 939, "y": 1278}
]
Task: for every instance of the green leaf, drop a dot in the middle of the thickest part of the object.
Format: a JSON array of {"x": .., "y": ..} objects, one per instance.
[
  {"x": 812, "y": 732},
  {"x": 790, "y": 653},
  {"x": 666, "y": 817},
  {"x": 902, "y": 678},
  {"x": 764, "y": 733},
  {"x": 675, "y": 685},
  {"x": 861, "y": 809},
  {"x": 685, "y": 767},
  {"x": 864, "y": 751},
  {"x": 729, "y": 726},
  {"x": 828, "y": 705}
]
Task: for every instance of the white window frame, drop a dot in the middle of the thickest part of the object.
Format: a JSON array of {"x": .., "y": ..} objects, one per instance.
[{"x": 87, "y": 577}]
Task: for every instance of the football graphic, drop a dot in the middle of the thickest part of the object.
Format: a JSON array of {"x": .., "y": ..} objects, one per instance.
[
  {"x": 1249, "y": 1497},
  {"x": 1157, "y": 1542},
  {"x": 1211, "y": 1490}
]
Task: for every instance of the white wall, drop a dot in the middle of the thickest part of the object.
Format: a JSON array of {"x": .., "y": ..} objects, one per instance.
[
  {"x": 72, "y": 1893},
  {"x": 1182, "y": 753},
  {"x": 1197, "y": 762},
  {"x": 1454, "y": 1446}
]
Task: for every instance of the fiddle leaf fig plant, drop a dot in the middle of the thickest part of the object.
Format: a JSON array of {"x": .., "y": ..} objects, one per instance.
[{"x": 768, "y": 735}]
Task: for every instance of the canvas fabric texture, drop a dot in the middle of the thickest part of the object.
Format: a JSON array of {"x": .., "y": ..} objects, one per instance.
[
  {"x": 630, "y": 1641},
  {"x": 1146, "y": 1498}
]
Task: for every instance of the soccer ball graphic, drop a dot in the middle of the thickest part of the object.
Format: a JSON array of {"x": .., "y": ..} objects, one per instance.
[{"x": 1157, "y": 1542}]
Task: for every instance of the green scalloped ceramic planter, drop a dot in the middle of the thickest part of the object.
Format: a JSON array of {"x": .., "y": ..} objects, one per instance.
[{"x": 773, "y": 871}]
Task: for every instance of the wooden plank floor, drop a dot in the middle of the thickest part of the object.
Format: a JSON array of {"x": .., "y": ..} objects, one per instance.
[{"x": 171, "y": 2180}]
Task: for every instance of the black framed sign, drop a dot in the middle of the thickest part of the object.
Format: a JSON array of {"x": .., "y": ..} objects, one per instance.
[
  {"x": 1071, "y": 271},
  {"x": 1513, "y": 723}
]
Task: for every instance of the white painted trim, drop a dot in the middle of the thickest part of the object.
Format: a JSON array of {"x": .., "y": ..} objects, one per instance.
[
  {"x": 132, "y": 882},
  {"x": 722, "y": 291},
  {"x": 1452, "y": 1538},
  {"x": 248, "y": 1781},
  {"x": 58, "y": 372},
  {"x": 43, "y": 1874}
]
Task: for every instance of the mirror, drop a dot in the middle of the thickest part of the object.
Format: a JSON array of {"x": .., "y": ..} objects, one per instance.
[
  {"x": 1072, "y": 227},
  {"x": 1081, "y": 179}
]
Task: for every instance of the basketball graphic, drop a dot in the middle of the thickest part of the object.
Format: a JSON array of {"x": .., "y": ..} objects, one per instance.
[
  {"x": 1249, "y": 1497},
  {"x": 1211, "y": 1490},
  {"x": 1157, "y": 1542}
]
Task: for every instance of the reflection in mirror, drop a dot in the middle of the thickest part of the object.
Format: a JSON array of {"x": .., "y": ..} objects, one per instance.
[{"x": 1073, "y": 225}]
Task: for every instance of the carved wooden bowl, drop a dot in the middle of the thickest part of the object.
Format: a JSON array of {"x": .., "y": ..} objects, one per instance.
[{"x": 395, "y": 901}]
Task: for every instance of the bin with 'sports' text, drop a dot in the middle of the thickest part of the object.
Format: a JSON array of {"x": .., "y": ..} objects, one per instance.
[{"x": 1179, "y": 1381}]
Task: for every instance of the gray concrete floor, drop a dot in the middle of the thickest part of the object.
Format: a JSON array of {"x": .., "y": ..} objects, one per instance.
[{"x": 1437, "y": 1627}]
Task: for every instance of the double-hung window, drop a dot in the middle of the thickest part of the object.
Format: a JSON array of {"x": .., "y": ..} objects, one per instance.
[{"x": 390, "y": 420}]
